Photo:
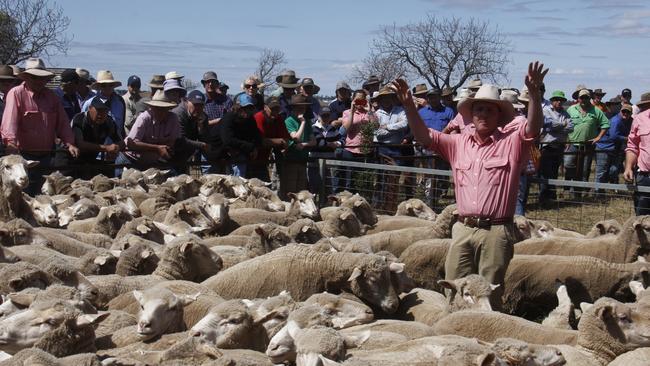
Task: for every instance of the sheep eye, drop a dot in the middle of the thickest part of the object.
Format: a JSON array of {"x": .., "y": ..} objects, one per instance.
[
  {"x": 21, "y": 233},
  {"x": 234, "y": 320},
  {"x": 51, "y": 322}
]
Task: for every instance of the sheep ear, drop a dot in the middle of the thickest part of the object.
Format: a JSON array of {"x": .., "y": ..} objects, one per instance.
[
  {"x": 91, "y": 319},
  {"x": 358, "y": 203},
  {"x": 31, "y": 163},
  {"x": 145, "y": 254},
  {"x": 333, "y": 199},
  {"x": 641, "y": 259},
  {"x": 485, "y": 359},
  {"x": 448, "y": 285},
  {"x": 260, "y": 230},
  {"x": 345, "y": 215},
  {"x": 138, "y": 296},
  {"x": 637, "y": 223},
  {"x": 396, "y": 267},
  {"x": 305, "y": 229},
  {"x": 327, "y": 362},
  {"x": 186, "y": 247},
  {"x": 601, "y": 228},
  {"x": 100, "y": 260},
  {"x": 585, "y": 306},
  {"x": 356, "y": 273},
  {"x": 264, "y": 318},
  {"x": 293, "y": 329},
  {"x": 20, "y": 299},
  {"x": 189, "y": 180},
  {"x": 185, "y": 300},
  {"x": 494, "y": 287},
  {"x": 176, "y": 188},
  {"x": 143, "y": 229},
  {"x": 249, "y": 303},
  {"x": 636, "y": 287},
  {"x": 163, "y": 227},
  {"x": 353, "y": 341},
  {"x": 292, "y": 196}
]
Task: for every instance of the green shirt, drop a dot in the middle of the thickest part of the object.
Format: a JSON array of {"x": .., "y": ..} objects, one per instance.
[
  {"x": 292, "y": 126},
  {"x": 587, "y": 126}
]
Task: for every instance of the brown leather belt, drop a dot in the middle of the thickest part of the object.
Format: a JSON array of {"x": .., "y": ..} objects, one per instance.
[{"x": 483, "y": 222}]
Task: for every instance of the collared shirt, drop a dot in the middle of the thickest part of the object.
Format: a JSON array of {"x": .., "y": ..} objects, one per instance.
[
  {"x": 602, "y": 106},
  {"x": 85, "y": 130},
  {"x": 353, "y": 137},
  {"x": 33, "y": 120},
  {"x": 461, "y": 124},
  {"x": 638, "y": 141},
  {"x": 315, "y": 108},
  {"x": 436, "y": 118},
  {"x": 117, "y": 109},
  {"x": 147, "y": 130},
  {"x": 269, "y": 128},
  {"x": 393, "y": 125},
  {"x": 557, "y": 125},
  {"x": 216, "y": 108},
  {"x": 587, "y": 126},
  {"x": 91, "y": 94},
  {"x": 337, "y": 108},
  {"x": 615, "y": 137},
  {"x": 134, "y": 106},
  {"x": 192, "y": 128},
  {"x": 293, "y": 125},
  {"x": 70, "y": 104},
  {"x": 486, "y": 175}
]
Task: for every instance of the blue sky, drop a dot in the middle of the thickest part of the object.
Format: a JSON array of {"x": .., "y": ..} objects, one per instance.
[{"x": 601, "y": 43}]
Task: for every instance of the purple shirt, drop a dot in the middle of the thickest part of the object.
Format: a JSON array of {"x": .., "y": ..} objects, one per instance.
[{"x": 146, "y": 130}]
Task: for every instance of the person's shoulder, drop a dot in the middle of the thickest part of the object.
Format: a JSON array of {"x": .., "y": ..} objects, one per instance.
[{"x": 78, "y": 120}]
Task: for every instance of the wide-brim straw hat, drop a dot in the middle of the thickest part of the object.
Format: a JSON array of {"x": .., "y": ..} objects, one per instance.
[
  {"x": 372, "y": 80},
  {"x": 490, "y": 94},
  {"x": 385, "y": 91},
  {"x": 105, "y": 77},
  {"x": 580, "y": 87},
  {"x": 463, "y": 94},
  {"x": 288, "y": 81},
  {"x": 512, "y": 97},
  {"x": 524, "y": 97},
  {"x": 157, "y": 81},
  {"x": 36, "y": 67},
  {"x": 285, "y": 73},
  {"x": 474, "y": 84},
  {"x": 6, "y": 73},
  {"x": 420, "y": 89},
  {"x": 160, "y": 100},
  {"x": 645, "y": 99},
  {"x": 173, "y": 75}
]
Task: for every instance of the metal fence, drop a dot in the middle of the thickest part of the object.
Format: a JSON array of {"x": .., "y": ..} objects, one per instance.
[{"x": 577, "y": 206}]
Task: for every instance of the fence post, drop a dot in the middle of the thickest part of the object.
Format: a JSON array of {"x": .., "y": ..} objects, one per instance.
[{"x": 322, "y": 193}]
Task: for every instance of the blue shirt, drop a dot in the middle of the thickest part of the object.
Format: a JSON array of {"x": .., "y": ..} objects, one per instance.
[
  {"x": 117, "y": 110},
  {"x": 614, "y": 138},
  {"x": 436, "y": 119},
  {"x": 71, "y": 105}
]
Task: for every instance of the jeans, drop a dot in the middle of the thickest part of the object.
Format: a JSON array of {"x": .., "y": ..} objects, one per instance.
[
  {"x": 607, "y": 168},
  {"x": 548, "y": 169},
  {"x": 35, "y": 174},
  {"x": 522, "y": 195},
  {"x": 642, "y": 200}
]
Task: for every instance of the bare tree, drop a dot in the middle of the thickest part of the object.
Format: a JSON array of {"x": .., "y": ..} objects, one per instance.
[
  {"x": 30, "y": 28},
  {"x": 386, "y": 68},
  {"x": 445, "y": 52},
  {"x": 269, "y": 64}
]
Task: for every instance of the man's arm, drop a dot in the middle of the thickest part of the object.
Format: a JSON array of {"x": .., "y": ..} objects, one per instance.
[
  {"x": 415, "y": 122},
  {"x": 533, "y": 82},
  {"x": 630, "y": 163},
  {"x": 10, "y": 117}
]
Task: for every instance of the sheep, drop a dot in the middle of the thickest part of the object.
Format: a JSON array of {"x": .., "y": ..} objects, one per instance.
[
  {"x": 344, "y": 312},
  {"x": 229, "y": 186},
  {"x": 156, "y": 207},
  {"x": 53, "y": 326},
  {"x": 56, "y": 183},
  {"x": 302, "y": 205},
  {"x": 530, "y": 280},
  {"x": 131, "y": 199},
  {"x": 143, "y": 227},
  {"x": 341, "y": 222},
  {"x": 59, "y": 241},
  {"x": 638, "y": 357},
  {"x": 97, "y": 262},
  {"x": 183, "y": 186},
  {"x": 21, "y": 275},
  {"x": 389, "y": 223},
  {"x": 416, "y": 208},
  {"x": 304, "y": 272},
  {"x": 545, "y": 229},
  {"x": 274, "y": 309},
  {"x": 184, "y": 258},
  {"x": 424, "y": 262},
  {"x": 357, "y": 204},
  {"x": 425, "y": 306},
  {"x": 149, "y": 176},
  {"x": 137, "y": 259},
  {"x": 90, "y": 239},
  {"x": 19, "y": 232},
  {"x": 563, "y": 316},
  {"x": 231, "y": 324},
  {"x": 626, "y": 247},
  {"x": 317, "y": 342},
  {"x": 191, "y": 213},
  {"x": 302, "y": 231},
  {"x": 83, "y": 209},
  {"x": 13, "y": 179},
  {"x": 259, "y": 197},
  {"x": 217, "y": 207},
  {"x": 38, "y": 357},
  {"x": 109, "y": 221},
  {"x": 82, "y": 298},
  {"x": 43, "y": 210},
  {"x": 186, "y": 351},
  {"x": 516, "y": 352}
]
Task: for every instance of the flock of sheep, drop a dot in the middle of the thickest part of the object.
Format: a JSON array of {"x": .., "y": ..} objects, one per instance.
[{"x": 151, "y": 270}]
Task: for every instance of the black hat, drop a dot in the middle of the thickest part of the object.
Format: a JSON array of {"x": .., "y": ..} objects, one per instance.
[
  {"x": 97, "y": 103},
  {"x": 69, "y": 76},
  {"x": 134, "y": 81},
  {"x": 196, "y": 97},
  {"x": 626, "y": 92}
]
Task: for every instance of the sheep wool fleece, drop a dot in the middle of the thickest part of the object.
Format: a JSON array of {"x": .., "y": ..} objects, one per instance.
[{"x": 482, "y": 251}]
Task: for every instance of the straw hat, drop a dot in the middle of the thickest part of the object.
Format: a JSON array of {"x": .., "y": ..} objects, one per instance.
[
  {"x": 288, "y": 81},
  {"x": 384, "y": 91},
  {"x": 285, "y": 72},
  {"x": 447, "y": 91},
  {"x": 105, "y": 77},
  {"x": 157, "y": 81},
  {"x": 372, "y": 80},
  {"x": 463, "y": 94},
  {"x": 599, "y": 92},
  {"x": 475, "y": 84},
  {"x": 6, "y": 73},
  {"x": 173, "y": 75},
  {"x": 310, "y": 82},
  {"x": 160, "y": 100},
  {"x": 580, "y": 87},
  {"x": 645, "y": 99},
  {"x": 36, "y": 67},
  {"x": 524, "y": 97},
  {"x": 511, "y": 96},
  {"x": 420, "y": 89},
  {"x": 487, "y": 93}
]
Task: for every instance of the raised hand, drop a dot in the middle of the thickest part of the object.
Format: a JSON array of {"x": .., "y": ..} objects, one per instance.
[
  {"x": 535, "y": 78},
  {"x": 401, "y": 88}
]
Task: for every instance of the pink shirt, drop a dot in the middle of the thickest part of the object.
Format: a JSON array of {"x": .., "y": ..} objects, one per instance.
[
  {"x": 32, "y": 121},
  {"x": 147, "y": 130},
  {"x": 486, "y": 176},
  {"x": 353, "y": 137},
  {"x": 638, "y": 141}
]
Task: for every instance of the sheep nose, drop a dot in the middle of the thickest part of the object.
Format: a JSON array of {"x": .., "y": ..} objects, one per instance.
[
  {"x": 144, "y": 324},
  {"x": 196, "y": 333}
]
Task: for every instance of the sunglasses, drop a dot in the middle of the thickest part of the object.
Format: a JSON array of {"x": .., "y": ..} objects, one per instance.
[{"x": 250, "y": 86}]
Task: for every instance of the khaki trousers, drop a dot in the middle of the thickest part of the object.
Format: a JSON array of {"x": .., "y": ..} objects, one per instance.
[{"x": 482, "y": 251}]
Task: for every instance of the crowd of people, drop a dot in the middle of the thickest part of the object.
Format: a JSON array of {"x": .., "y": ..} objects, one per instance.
[{"x": 84, "y": 122}]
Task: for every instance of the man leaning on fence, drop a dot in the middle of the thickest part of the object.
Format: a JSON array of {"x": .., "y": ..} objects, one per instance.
[
  {"x": 486, "y": 168},
  {"x": 637, "y": 154}
]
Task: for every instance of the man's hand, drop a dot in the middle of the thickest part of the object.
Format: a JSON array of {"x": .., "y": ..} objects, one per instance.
[
  {"x": 595, "y": 140},
  {"x": 401, "y": 88},
  {"x": 337, "y": 122},
  {"x": 267, "y": 111},
  {"x": 628, "y": 175},
  {"x": 535, "y": 79},
  {"x": 112, "y": 148},
  {"x": 164, "y": 151},
  {"x": 73, "y": 150},
  {"x": 420, "y": 102},
  {"x": 11, "y": 148}
]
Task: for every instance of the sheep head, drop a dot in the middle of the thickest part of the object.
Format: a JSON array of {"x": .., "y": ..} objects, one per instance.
[
  {"x": 44, "y": 210},
  {"x": 303, "y": 202},
  {"x": 160, "y": 311},
  {"x": 371, "y": 282},
  {"x": 471, "y": 292},
  {"x": 13, "y": 172},
  {"x": 344, "y": 312}
]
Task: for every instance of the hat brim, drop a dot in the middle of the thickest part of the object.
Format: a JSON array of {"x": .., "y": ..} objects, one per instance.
[
  {"x": 305, "y": 104},
  {"x": 365, "y": 84},
  {"x": 576, "y": 93},
  {"x": 422, "y": 92},
  {"x": 291, "y": 86},
  {"x": 6, "y": 77},
  {"x": 642, "y": 102},
  {"x": 36, "y": 72},
  {"x": 159, "y": 103},
  {"x": 506, "y": 108},
  {"x": 114, "y": 83},
  {"x": 518, "y": 105},
  {"x": 157, "y": 86},
  {"x": 563, "y": 99},
  {"x": 316, "y": 87}
]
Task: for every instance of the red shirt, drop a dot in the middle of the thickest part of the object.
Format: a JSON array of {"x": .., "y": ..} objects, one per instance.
[
  {"x": 33, "y": 120},
  {"x": 486, "y": 175},
  {"x": 638, "y": 141},
  {"x": 270, "y": 128}
]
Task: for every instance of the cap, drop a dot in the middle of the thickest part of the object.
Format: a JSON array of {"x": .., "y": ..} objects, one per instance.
[
  {"x": 434, "y": 91},
  {"x": 626, "y": 92},
  {"x": 325, "y": 111},
  {"x": 97, "y": 103},
  {"x": 223, "y": 86},
  {"x": 558, "y": 94},
  {"x": 210, "y": 75},
  {"x": 196, "y": 97},
  {"x": 343, "y": 85},
  {"x": 626, "y": 107},
  {"x": 584, "y": 92},
  {"x": 69, "y": 76},
  {"x": 134, "y": 81},
  {"x": 245, "y": 100}
]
